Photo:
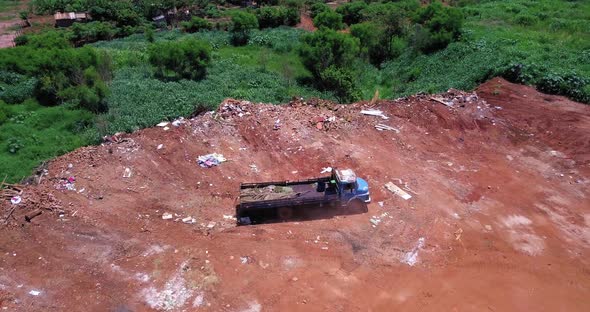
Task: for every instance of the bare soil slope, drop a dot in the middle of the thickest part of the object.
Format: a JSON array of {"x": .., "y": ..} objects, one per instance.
[{"x": 499, "y": 219}]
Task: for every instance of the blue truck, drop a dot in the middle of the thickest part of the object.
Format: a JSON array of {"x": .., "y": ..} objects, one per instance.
[{"x": 282, "y": 199}]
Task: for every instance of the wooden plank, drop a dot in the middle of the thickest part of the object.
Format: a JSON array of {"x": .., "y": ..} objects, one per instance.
[{"x": 397, "y": 191}]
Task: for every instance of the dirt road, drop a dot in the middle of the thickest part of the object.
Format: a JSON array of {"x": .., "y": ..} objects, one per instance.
[{"x": 499, "y": 218}]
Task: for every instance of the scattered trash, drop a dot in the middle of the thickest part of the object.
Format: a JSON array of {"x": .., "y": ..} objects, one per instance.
[
  {"x": 442, "y": 101},
  {"x": 229, "y": 217},
  {"x": 70, "y": 166},
  {"x": 277, "y": 125},
  {"x": 211, "y": 225},
  {"x": 160, "y": 146},
  {"x": 254, "y": 168},
  {"x": 210, "y": 160},
  {"x": 382, "y": 127},
  {"x": 16, "y": 200},
  {"x": 127, "y": 173},
  {"x": 189, "y": 220},
  {"x": 324, "y": 248},
  {"x": 374, "y": 112},
  {"x": 458, "y": 234},
  {"x": 294, "y": 172},
  {"x": 411, "y": 258},
  {"x": 398, "y": 191},
  {"x": 488, "y": 227},
  {"x": 178, "y": 122},
  {"x": 163, "y": 124},
  {"x": 167, "y": 216},
  {"x": 326, "y": 169},
  {"x": 166, "y": 128},
  {"x": 244, "y": 260},
  {"x": 380, "y": 204},
  {"x": 67, "y": 184},
  {"x": 34, "y": 292},
  {"x": 375, "y": 220}
]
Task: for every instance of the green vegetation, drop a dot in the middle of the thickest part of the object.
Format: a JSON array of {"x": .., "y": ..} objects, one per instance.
[
  {"x": 124, "y": 75},
  {"x": 186, "y": 59},
  {"x": 241, "y": 26}
]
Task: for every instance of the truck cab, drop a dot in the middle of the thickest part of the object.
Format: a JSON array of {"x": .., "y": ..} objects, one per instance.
[{"x": 350, "y": 187}]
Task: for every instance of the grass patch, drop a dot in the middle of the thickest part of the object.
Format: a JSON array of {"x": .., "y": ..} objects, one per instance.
[{"x": 31, "y": 133}]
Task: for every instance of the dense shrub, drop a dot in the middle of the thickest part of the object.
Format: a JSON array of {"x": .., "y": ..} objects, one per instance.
[
  {"x": 397, "y": 46},
  {"x": 241, "y": 25},
  {"x": 329, "y": 19},
  {"x": 342, "y": 82},
  {"x": 352, "y": 11},
  {"x": 440, "y": 26},
  {"x": 18, "y": 90},
  {"x": 318, "y": 8},
  {"x": 373, "y": 41},
  {"x": 92, "y": 32},
  {"x": 187, "y": 59},
  {"x": 196, "y": 24},
  {"x": 571, "y": 85},
  {"x": 526, "y": 19},
  {"x": 57, "y": 70},
  {"x": 277, "y": 16},
  {"x": 325, "y": 48}
]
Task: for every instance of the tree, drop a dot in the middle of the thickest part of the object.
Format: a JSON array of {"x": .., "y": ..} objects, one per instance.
[
  {"x": 373, "y": 39},
  {"x": 186, "y": 59},
  {"x": 352, "y": 12},
  {"x": 325, "y": 48},
  {"x": 328, "y": 55},
  {"x": 440, "y": 25},
  {"x": 329, "y": 19},
  {"x": 318, "y": 8},
  {"x": 277, "y": 16},
  {"x": 242, "y": 24}
]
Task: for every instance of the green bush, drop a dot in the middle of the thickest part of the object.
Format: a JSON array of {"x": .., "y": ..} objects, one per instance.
[
  {"x": 373, "y": 41},
  {"x": 352, "y": 12},
  {"x": 571, "y": 85},
  {"x": 242, "y": 24},
  {"x": 318, "y": 8},
  {"x": 397, "y": 47},
  {"x": 55, "y": 69},
  {"x": 325, "y": 48},
  {"x": 329, "y": 20},
  {"x": 342, "y": 82},
  {"x": 277, "y": 16},
  {"x": 186, "y": 59},
  {"x": 440, "y": 26},
  {"x": 92, "y": 32},
  {"x": 19, "y": 90},
  {"x": 196, "y": 24}
]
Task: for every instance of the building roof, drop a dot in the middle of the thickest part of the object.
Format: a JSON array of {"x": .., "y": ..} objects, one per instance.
[{"x": 71, "y": 15}]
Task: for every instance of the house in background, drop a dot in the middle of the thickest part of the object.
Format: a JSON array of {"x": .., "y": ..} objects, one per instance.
[{"x": 67, "y": 19}]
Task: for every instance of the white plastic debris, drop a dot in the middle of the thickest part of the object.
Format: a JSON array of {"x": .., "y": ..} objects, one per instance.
[
  {"x": 380, "y": 204},
  {"x": 16, "y": 200},
  {"x": 167, "y": 216},
  {"x": 160, "y": 146},
  {"x": 326, "y": 169},
  {"x": 411, "y": 257},
  {"x": 34, "y": 293},
  {"x": 397, "y": 191},
  {"x": 189, "y": 220},
  {"x": 178, "y": 122},
  {"x": 244, "y": 260},
  {"x": 162, "y": 124},
  {"x": 211, "y": 225},
  {"x": 210, "y": 160},
  {"x": 166, "y": 128},
  {"x": 374, "y": 112},
  {"x": 229, "y": 217},
  {"x": 127, "y": 173}
]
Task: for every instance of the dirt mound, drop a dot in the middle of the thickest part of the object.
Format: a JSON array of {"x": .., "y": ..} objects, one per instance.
[{"x": 498, "y": 219}]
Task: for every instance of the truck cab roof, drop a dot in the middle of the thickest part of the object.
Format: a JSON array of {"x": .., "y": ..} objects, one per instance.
[{"x": 346, "y": 175}]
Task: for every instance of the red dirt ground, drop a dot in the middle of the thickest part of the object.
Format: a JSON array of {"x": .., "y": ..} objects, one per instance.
[{"x": 499, "y": 219}]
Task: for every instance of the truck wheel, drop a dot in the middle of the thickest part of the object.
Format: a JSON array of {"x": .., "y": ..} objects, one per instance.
[
  {"x": 357, "y": 206},
  {"x": 285, "y": 213}
]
